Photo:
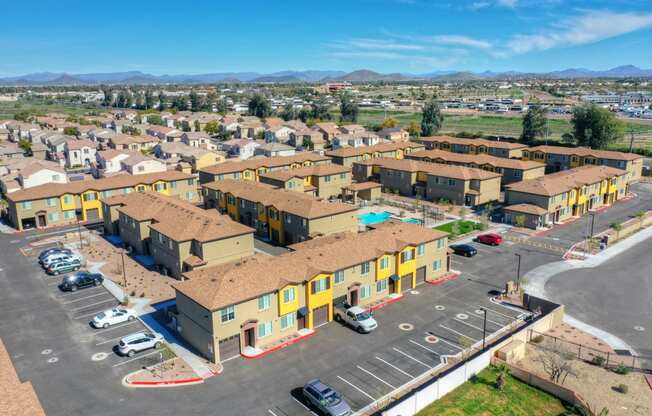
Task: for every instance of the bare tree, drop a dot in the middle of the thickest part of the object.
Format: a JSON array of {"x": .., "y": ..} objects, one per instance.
[{"x": 557, "y": 362}]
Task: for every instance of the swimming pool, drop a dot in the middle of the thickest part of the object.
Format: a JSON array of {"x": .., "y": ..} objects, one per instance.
[{"x": 378, "y": 217}]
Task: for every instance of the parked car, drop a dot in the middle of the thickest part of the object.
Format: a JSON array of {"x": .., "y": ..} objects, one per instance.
[
  {"x": 356, "y": 317},
  {"x": 491, "y": 239},
  {"x": 140, "y": 341},
  {"x": 80, "y": 280},
  {"x": 48, "y": 252},
  {"x": 466, "y": 250},
  {"x": 63, "y": 266},
  {"x": 58, "y": 257},
  {"x": 113, "y": 316},
  {"x": 327, "y": 400}
]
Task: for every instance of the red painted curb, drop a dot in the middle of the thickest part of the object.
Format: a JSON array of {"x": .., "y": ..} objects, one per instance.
[
  {"x": 648, "y": 380},
  {"x": 278, "y": 347},
  {"x": 387, "y": 302},
  {"x": 444, "y": 279},
  {"x": 165, "y": 382}
]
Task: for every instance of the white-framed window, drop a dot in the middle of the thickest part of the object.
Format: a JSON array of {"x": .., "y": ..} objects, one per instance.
[
  {"x": 320, "y": 285},
  {"x": 339, "y": 277},
  {"x": 407, "y": 255},
  {"x": 27, "y": 204},
  {"x": 53, "y": 216},
  {"x": 381, "y": 285},
  {"x": 173, "y": 184},
  {"x": 189, "y": 195},
  {"x": 436, "y": 265},
  {"x": 264, "y": 329},
  {"x": 264, "y": 302},
  {"x": 289, "y": 295},
  {"x": 365, "y": 291},
  {"x": 364, "y": 268},
  {"x": 52, "y": 202},
  {"x": 227, "y": 314},
  {"x": 287, "y": 321},
  {"x": 440, "y": 243},
  {"x": 384, "y": 263},
  {"x": 421, "y": 249},
  {"x": 67, "y": 199},
  {"x": 68, "y": 215}
]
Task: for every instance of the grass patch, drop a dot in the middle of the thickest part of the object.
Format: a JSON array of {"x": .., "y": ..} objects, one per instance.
[
  {"x": 463, "y": 227},
  {"x": 479, "y": 397}
]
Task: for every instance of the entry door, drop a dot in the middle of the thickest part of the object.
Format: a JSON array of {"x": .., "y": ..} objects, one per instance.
[
  {"x": 249, "y": 338},
  {"x": 301, "y": 322},
  {"x": 421, "y": 275},
  {"x": 406, "y": 282},
  {"x": 320, "y": 316},
  {"x": 392, "y": 286},
  {"x": 41, "y": 220},
  {"x": 354, "y": 297},
  {"x": 230, "y": 347}
]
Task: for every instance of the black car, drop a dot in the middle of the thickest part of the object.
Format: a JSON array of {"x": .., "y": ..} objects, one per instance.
[
  {"x": 49, "y": 251},
  {"x": 466, "y": 250},
  {"x": 80, "y": 280}
]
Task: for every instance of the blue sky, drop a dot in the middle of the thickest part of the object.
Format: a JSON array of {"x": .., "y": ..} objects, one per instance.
[{"x": 416, "y": 36}]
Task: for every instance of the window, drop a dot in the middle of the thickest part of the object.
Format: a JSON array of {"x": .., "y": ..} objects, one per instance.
[
  {"x": 264, "y": 329},
  {"x": 227, "y": 314},
  {"x": 55, "y": 178},
  {"x": 242, "y": 203},
  {"x": 451, "y": 182},
  {"x": 407, "y": 256},
  {"x": 436, "y": 265},
  {"x": 236, "y": 175},
  {"x": 53, "y": 216},
  {"x": 264, "y": 302},
  {"x": 320, "y": 285},
  {"x": 288, "y": 218},
  {"x": 339, "y": 277},
  {"x": 67, "y": 199},
  {"x": 327, "y": 178},
  {"x": 160, "y": 187},
  {"x": 68, "y": 215},
  {"x": 91, "y": 196},
  {"x": 287, "y": 321},
  {"x": 381, "y": 285},
  {"x": 230, "y": 199},
  {"x": 27, "y": 204},
  {"x": 365, "y": 291},
  {"x": 290, "y": 185},
  {"x": 52, "y": 202},
  {"x": 191, "y": 182},
  {"x": 288, "y": 295},
  {"x": 440, "y": 243},
  {"x": 364, "y": 268},
  {"x": 342, "y": 176},
  {"x": 140, "y": 188},
  {"x": 384, "y": 263},
  {"x": 421, "y": 249}
]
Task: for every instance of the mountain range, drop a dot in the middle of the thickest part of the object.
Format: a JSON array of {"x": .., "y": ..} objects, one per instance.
[{"x": 310, "y": 76}]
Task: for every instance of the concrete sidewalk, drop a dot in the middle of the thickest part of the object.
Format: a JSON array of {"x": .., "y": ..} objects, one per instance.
[{"x": 538, "y": 278}]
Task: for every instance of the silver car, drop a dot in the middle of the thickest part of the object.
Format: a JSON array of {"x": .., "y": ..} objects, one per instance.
[
  {"x": 140, "y": 341},
  {"x": 327, "y": 400}
]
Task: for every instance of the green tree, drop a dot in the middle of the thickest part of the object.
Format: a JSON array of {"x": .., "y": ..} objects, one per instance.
[
  {"x": 22, "y": 116},
  {"x": 259, "y": 106},
  {"x": 414, "y": 129},
  {"x": 288, "y": 112},
  {"x": 212, "y": 127},
  {"x": 432, "y": 119},
  {"x": 180, "y": 103},
  {"x": 70, "y": 131},
  {"x": 595, "y": 127},
  {"x": 616, "y": 226},
  {"x": 162, "y": 101},
  {"x": 348, "y": 108},
  {"x": 222, "y": 106},
  {"x": 107, "y": 101},
  {"x": 534, "y": 124},
  {"x": 307, "y": 143},
  {"x": 320, "y": 110},
  {"x": 139, "y": 100},
  {"x": 304, "y": 115},
  {"x": 197, "y": 125},
  {"x": 195, "y": 101},
  {"x": 26, "y": 145},
  {"x": 389, "y": 123},
  {"x": 149, "y": 99}
]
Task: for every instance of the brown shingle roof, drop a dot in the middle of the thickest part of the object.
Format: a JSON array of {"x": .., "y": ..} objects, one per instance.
[
  {"x": 114, "y": 182},
  {"x": 437, "y": 169},
  {"x": 564, "y": 181},
  {"x": 80, "y": 144},
  {"x": 361, "y": 186},
  {"x": 474, "y": 142},
  {"x": 16, "y": 398},
  {"x": 526, "y": 209},
  {"x": 267, "y": 162},
  {"x": 383, "y": 147},
  {"x": 296, "y": 203},
  {"x": 224, "y": 285},
  {"x": 314, "y": 170},
  {"x": 478, "y": 160},
  {"x": 585, "y": 151}
]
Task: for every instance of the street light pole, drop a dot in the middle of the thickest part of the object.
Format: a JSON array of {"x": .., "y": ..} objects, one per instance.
[
  {"x": 484, "y": 327},
  {"x": 124, "y": 273},
  {"x": 518, "y": 271},
  {"x": 592, "y": 213}
]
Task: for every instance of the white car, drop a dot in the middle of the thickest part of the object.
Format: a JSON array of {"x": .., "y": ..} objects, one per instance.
[
  {"x": 113, "y": 316},
  {"x": 60, "y": 257},
  {"x": 140, "y": 341},
  {"x": 356, "y": 317}
]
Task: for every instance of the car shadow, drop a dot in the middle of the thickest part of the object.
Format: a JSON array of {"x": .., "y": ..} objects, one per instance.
[{"x": 297, "y": 394}]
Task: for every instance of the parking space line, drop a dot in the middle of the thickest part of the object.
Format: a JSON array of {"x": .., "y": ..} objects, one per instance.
[
  {"x": 502, "y": 314},
  {"x": 488, "y": 320},
  {"x": 134, "y": 359},
  {"x": 86, "y": 315},
  {"x": 394, "y": 367},
  {"x": 357, "y": 388},
  {"x": 272, "y": 413},
  {"x": 102, "y": 331},
  {"x": 458, "y": 333},
  {"x": 108, "y": 340},
  {"x": 93, "y": 304},
  {"x": 65, "y": 295},
  {"x": 424, "y": 347},
  {"x": 376, "y": 377},
  {"x": 86, "y": 297},
  {"x": 444, "y": 341},
  {"x": 411, "y": 357},
  {"x": 469, "y": 325},
  {"x": 303, "y": 405}
]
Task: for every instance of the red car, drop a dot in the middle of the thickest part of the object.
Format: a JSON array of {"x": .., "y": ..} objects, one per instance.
[{"x": 490, "y": 239}]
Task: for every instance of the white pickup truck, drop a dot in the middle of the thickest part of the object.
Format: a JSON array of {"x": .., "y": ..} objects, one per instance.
[{"x": 356, "y": 317}]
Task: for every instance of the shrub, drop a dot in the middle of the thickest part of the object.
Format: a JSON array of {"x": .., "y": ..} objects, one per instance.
[
  {"x": 621, "y": 369},
  {"x": 598, "y": 360},
  {"x": 622, "y": 388},
  {"x": 538, "y": 339}
]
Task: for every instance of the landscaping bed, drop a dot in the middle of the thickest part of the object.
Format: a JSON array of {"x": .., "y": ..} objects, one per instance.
[{"x": 459, "y": 228}]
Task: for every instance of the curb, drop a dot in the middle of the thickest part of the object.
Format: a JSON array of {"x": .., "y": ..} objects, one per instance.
[
  {"x": 278, "y": 347},
  {"x": 444, "y": 279},
  {"x": 166, "y": 382},
  {"x": 648, "y": 380},
  {"x": 387, "y": 302}
]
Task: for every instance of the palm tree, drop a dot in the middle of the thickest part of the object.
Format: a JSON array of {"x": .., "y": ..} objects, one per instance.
[{"x": 501, "y": 378}]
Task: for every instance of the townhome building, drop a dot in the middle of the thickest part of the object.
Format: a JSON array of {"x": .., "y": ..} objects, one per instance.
[
  {"x": 308, "y": 139},
  {"x": 558, "y": 158},
  {"x": 347, "y": 156},
  {"x": 559, "y": 196},
  {"x": 28, "y": 173},
  {"x": 431, "y": 181},
  {"x": 66, "y": 203},
  {"x": 197, "y": 158},
  {"x": 512, "y": 170},
  {"x": 328, "y": 130},
  {"x": 252, "y": 168},
  {"x": 249, "y": 129},
  {"x": 280, "y": 215},
  {"x": 166, "y": 134},
  {"x": 228, "y": 310},
  {"x": 474, "y": 146},
  {"x": 179, "y": 236},
  {"x": 323, "y": 181}
]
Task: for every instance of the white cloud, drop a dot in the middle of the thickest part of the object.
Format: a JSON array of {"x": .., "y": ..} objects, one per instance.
[
  {"x": 458, "y": 40},
  {"x": 507, "y": 3},
  {"x": 377, "y": 44},
  {"x": 477, "y": 5},
  {"x": 588, "y": 28}
]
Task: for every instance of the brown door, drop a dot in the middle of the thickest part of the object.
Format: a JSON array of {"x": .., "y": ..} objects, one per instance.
[
  {"x": 421, "y": 275},
  {"x": 301, "y": 322},
  {"x": 230, "y": 347},
  {"x": 392, "y": 286},
  {"x": 249, "y": 338},
  {"x": 42, "y": 222},
  {"x": 92, "y": 215},
  {"x": 406, "y": 282},
  {"x": 354, "y": 297},
  {"x": 319, "y": 316}
]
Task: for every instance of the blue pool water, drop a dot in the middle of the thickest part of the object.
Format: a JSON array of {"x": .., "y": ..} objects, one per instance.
[{"x": 378, "y": 217}]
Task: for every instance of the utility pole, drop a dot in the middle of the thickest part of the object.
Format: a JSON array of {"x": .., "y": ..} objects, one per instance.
[
  {"x": 124, "y": 273},
  {"x": 484, "y": 327},
  {"x": 631, "y": 140},
  {"x": 518, "y": 271}
]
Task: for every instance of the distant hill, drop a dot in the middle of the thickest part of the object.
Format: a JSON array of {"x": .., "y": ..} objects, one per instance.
[{"x": 362, "y": 75}]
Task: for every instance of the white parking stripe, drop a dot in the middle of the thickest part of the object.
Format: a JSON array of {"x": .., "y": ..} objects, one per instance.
[
  {"x": 86, "y": 291},
  {"x": 411, "y": 357},
  {"x": 357, "y": 388},
  {"x": 108, "y": 341},
  {"x": 502, "y": 314},
  {"x": 134, "y": 359},
  {"x": 230, "y": 358},
  {"x": 469, "y": 325},
  {"x": 303, "y": 405},
  {"x": 102, "y": 331},
  {"x": 86, "y": 315},
  {"x": 488, "y": 320},
  {"x": 394, "y": 367},
  {"x": 94, "y": 304},
  {"x": 458, "y": 333},
  {"x": 376, "y": 377},
  {"x": 444, "y": 341},
  {"x": 424, "y": 347},
  {"x": 272, "y": 413},
  {"x": 86, "y": 297}
]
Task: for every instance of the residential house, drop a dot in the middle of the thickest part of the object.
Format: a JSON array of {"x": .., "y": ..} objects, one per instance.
[
  {"x": 328, "y": 130},
  {"x": 431, "y": 181},
  {"x": 107, "y": 162},
  {"x": 309, "y": 139},
  {"x": 241, "y": 148},
  {"x": 225, "y": 310},
  {"x": 133, "y": 143},
  {"x": 27, "y": 173},
  {"x": 198, "y": 158},
  {"x": 347, "y": 156},
  {"x": 179, "y": 236},
  {"x": 198, "y": 139},
  {"x": 249, "y": 129},
  {"x": 139, "y": 164},
  {"x": 323, "y": 181},
  {"x": 474, "y": 146},
  {"x": 273, "y": 149},
  {"x": 282, "y": 216},
  {"x": 165, "y": 134},
  {"x": 278, "y": 133},
  {"x": 79, "y": 153},
  {"x": 394, "y": 134}
]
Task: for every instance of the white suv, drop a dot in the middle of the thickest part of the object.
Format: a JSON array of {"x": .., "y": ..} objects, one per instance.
[
  {"x": 113, "y": 316},
  {"x": 131, "y": 344},
  {"x": 60, "y": 257}
]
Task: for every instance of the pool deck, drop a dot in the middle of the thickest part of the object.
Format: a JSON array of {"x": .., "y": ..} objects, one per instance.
[{"x": 407, "y": 215}]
